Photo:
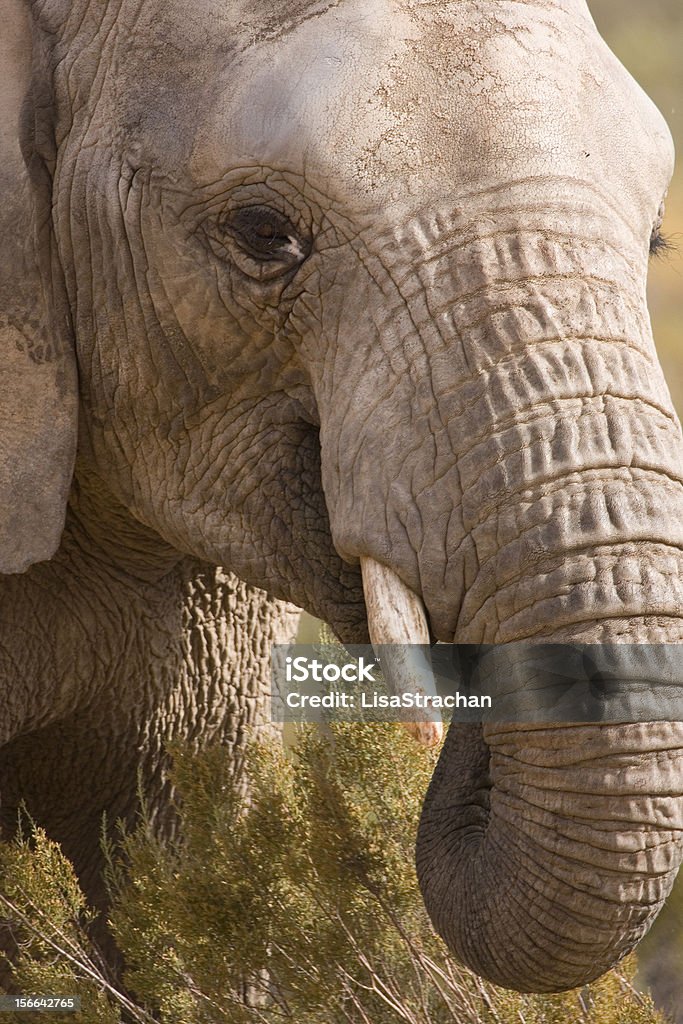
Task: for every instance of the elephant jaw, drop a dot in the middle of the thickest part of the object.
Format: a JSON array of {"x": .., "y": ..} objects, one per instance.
[{"x": 397, "y": 617}]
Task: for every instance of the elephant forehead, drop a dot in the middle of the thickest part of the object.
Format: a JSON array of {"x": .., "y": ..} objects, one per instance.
[{"x": 388, "y": 97}]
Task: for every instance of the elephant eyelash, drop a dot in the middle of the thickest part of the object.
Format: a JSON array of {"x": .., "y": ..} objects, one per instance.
[{"x": 660, "y": 245}]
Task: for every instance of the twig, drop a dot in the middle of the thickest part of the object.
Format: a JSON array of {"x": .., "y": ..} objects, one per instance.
[{"x": 82, "y": 964}]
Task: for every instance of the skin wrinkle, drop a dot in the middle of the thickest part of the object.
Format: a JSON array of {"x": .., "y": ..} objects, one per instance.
[
  {"x": 593, "y": 552},
  {"x": 631, "y": 630},
  {"x": 559, "y": 830},
  {"x": 133, "y": 196},
  {"x": 589, "y": 839},
  {"x": 476, "y": 390},
  {"x": 576, "y": 625},
  {"x": 427, "y": 258},
  {"x": 541, "y": 752},
  {"x": 515, "y": 305},
  {"x": 526, "y": 279},
  {"x": 556, "y": 401},
  {"x": 507, "y": 532},
  {"x": 585, "y": 430},
  {"x": 376, "y": 258},
  {"x": 514, "y": 353},
  {"x": 521, "y": 583},
  {"x": 533, "y": 282},
  {"x": 160, "y": 306},
  {"x": 627, "y": 776},
  {"x": 540, "y": 945},
  {"x": 550, "y": 927},
  {"x": 648, "y": 877},
  {"x": 554, "y": 485},
  {"x": 599, "y": 894},
  {"x": 555, "y": 409},
  {"x": 550, "y": 202},
  {"x": 529, "y": 798},
  {"x": 516, "y": 626}
]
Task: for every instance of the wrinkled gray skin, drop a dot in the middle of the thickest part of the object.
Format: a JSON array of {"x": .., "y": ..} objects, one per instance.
[{"x": 436, "y": 353}]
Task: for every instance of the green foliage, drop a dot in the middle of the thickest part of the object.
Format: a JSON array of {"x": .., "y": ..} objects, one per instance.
[
  {"x": 297, "y": 904},
  {"x": 44, "y": 908},
  {"x": 307, "y": 897}
]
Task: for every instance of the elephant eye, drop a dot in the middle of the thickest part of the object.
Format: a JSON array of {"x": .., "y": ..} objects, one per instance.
[
  {"x": 265, "y": 232},
  {"x": 262, "y": 242}
]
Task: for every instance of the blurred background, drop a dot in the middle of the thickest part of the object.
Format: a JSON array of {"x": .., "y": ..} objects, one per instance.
[{"x": 648, "y": 39}]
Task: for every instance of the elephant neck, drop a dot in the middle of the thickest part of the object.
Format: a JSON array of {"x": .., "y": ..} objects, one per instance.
[
  {"x": 86, "y": 624},
  {"x": 118, "y": 614}
]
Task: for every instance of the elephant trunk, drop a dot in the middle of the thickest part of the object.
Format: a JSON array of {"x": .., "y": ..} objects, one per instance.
[
  {"x": 544, "y": 853},
  {"x": 539, "y": 499}
]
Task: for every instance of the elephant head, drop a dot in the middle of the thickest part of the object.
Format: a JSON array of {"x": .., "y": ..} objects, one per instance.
[{"x": 365, "y": 283}]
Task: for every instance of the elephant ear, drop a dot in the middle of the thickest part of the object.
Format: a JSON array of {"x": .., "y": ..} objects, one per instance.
[{"x": 38, "y": 383}]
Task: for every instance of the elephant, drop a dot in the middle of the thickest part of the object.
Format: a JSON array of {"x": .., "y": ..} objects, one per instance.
[{"x": 325, "y": 294}]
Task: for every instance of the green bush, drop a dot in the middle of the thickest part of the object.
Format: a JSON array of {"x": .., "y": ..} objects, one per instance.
[
  {"x": 299, "y": 905},
  {"x": 47, "y": 917}
]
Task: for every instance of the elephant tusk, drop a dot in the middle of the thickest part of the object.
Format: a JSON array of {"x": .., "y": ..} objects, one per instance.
[{"x": 396, "y": 616}]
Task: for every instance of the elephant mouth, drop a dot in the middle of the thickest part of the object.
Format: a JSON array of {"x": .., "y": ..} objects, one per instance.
[{"x": 397, "y": 620}]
